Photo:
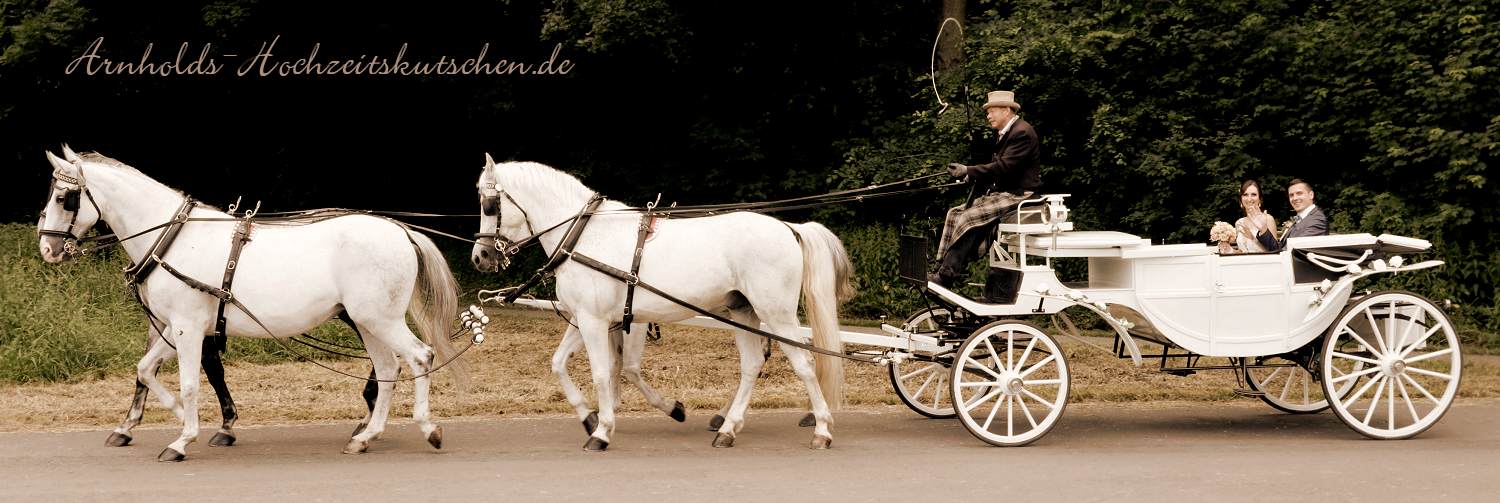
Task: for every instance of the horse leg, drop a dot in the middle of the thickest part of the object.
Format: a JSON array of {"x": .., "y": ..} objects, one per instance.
[
  {"x": 752, "y": 358},
  {"x": 121, "y": 436},
  {"x": 421, "y": 359},
  {"x": 571, "y": 343},
  {"x": 189, "y": 356},
  {"x": 371, "y": 388},
  {"x": 145, "y": 373},
  {"x": 213, "y": 367},
  {"x": 718, "y": 420},
  {"x": 633, "y": 348},
  {"x": 802, "y": 364},
  {"x": 385, "y": 368},
  {"x": 595, "y": 334}
]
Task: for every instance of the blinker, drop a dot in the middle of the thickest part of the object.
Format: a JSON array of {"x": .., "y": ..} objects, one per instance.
[{"x": 70, "y": 200}]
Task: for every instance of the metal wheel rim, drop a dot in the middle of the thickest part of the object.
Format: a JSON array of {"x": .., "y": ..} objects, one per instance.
[
  {"x": 1016, "y": 386},
  {"x": 1411, "y": 365},
  {"x": 923, "y": 385}
]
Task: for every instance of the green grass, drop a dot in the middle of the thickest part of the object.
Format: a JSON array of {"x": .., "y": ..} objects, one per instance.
[{"x": 76, "y": 321}]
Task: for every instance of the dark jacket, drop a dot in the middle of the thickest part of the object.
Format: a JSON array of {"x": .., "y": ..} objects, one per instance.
[
  {"x": 1016, "y": 165},
  {"x": 1316, "y": 224}
]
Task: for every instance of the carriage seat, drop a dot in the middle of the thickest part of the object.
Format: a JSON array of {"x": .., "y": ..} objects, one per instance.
[{"x": 1076, "y": 243}]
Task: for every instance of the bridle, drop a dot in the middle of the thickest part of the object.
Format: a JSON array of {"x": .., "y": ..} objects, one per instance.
[
  {"x": 71, "y": 203},
  {"x": 490, "y": 205}
]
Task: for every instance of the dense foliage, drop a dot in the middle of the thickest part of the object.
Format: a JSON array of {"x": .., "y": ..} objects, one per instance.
[{"x": 1150, "y": 112}]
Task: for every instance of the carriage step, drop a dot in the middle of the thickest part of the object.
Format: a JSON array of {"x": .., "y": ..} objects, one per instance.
[{"x": 1249, "y": 393}]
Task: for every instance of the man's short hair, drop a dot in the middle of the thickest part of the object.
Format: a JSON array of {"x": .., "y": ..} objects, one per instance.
[{"x": 1296, "y": 181}]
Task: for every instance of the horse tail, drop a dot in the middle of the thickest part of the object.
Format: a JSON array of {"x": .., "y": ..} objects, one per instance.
[
  {"x": 827, "y": 278},
  {"x": 434, "y": 303}
]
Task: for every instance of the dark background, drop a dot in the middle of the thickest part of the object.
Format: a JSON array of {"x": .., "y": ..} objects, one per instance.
[
  {"x": 725, "y": 105},
  {"x": 1150, "y": 113}
]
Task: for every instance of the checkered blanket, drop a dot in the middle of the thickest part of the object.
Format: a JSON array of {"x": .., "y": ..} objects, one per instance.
[{"x": 986, "y": 210}]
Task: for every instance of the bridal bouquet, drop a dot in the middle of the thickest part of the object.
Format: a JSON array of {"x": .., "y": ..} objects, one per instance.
[{"x": 1222, "y": 233}]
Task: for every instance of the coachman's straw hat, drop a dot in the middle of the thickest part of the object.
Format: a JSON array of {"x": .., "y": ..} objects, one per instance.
[{"x": 1002, "y": 99}]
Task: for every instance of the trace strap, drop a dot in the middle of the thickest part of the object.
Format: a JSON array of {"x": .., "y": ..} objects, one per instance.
[{"x": 627, "y": 277}]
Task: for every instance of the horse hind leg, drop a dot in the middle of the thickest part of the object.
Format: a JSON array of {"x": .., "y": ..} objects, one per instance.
[
  {"x": 802, "y": 365},
  {"x": 752, "y": 359},
  {"x": 371, "y": 388},
  {"x": 385, "y": 372},
  {"x": 420, "y": 358}
]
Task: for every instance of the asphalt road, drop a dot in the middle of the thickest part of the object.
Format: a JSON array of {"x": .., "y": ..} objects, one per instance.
[{"x": 1098, "y": 452}]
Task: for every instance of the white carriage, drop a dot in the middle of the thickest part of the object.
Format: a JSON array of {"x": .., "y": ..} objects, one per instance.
[{"x": 1290, "y": 321}]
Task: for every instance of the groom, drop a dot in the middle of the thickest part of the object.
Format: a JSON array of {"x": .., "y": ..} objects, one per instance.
[{"x": 1308, "y": 220}]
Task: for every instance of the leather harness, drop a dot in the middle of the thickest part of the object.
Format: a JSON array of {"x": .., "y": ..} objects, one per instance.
[{"x": 137, "y": 274}]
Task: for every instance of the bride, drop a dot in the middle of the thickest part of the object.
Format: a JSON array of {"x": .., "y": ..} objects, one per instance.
[{"x": 1254, "y": 222}]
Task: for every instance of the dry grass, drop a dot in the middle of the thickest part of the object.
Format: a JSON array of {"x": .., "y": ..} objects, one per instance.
[{"x": 512, "y": 377}]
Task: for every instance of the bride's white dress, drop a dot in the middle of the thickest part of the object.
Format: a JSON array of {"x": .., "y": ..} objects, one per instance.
[{"x": 1246, "y": 244}]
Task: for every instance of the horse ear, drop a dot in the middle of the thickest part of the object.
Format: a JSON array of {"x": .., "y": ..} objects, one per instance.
[
  {"x": 69, "y": 154},
  {"x": 54, "y": 161},
  {"x": 489, "y": 162}
]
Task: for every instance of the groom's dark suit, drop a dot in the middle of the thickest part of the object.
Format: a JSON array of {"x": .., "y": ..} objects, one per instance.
[{"x": 1314, "y": 225}]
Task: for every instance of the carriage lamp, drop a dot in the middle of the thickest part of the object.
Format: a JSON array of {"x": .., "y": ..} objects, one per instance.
[{"x": 1396, "y": 260}]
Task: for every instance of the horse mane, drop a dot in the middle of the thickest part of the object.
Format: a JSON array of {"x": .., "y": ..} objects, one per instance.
[
  {"x": 104, "y": 160},
  {"x": 546, "y": 181}
]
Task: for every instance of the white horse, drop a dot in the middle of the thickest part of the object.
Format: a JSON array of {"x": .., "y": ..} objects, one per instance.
[
  {"x": 292, "y": 277},
  {"x": 752, "y": 265}
]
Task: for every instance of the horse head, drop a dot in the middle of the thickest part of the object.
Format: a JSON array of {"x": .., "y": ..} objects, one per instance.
[
  {"x": 497, "y": 230},
  {"x": 65, "y": 217}
]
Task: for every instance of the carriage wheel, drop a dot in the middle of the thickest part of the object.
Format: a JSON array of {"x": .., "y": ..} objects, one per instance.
[
  {"x": 923, "y": 385},
  {"x": 1012, "y": 383},
  {"x": 1405, "y": 349},
  {"x": 1290, "y": 387},
  {"x": 1287, "y": 386}
]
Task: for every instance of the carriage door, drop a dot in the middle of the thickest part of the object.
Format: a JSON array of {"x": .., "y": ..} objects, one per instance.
[{"x": 1250, "y": 304}]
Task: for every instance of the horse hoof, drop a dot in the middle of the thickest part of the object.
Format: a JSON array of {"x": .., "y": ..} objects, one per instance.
[
  {"x": 221, "y": 440},
  {"x": 716, "y": 423},
  {"x": 679, "y": 413},
  {"x": 723, "y": 440},
  {"x": 820, "y": 442},
  {"x": 595, "y": 445},
  {"x": 808, "y": 421},
  {"x": 170, "y": 455},
  {"x": 436, "y": 438},
  {"x": 117, "y": 439},
  {"x": 356, "y": 447},
  {"x": 591, "y": 423},
  {"x": 359, "y": 428}
]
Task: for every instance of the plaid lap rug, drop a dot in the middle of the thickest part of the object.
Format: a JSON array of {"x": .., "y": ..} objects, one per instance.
[{"x": 986, "y": 210}]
